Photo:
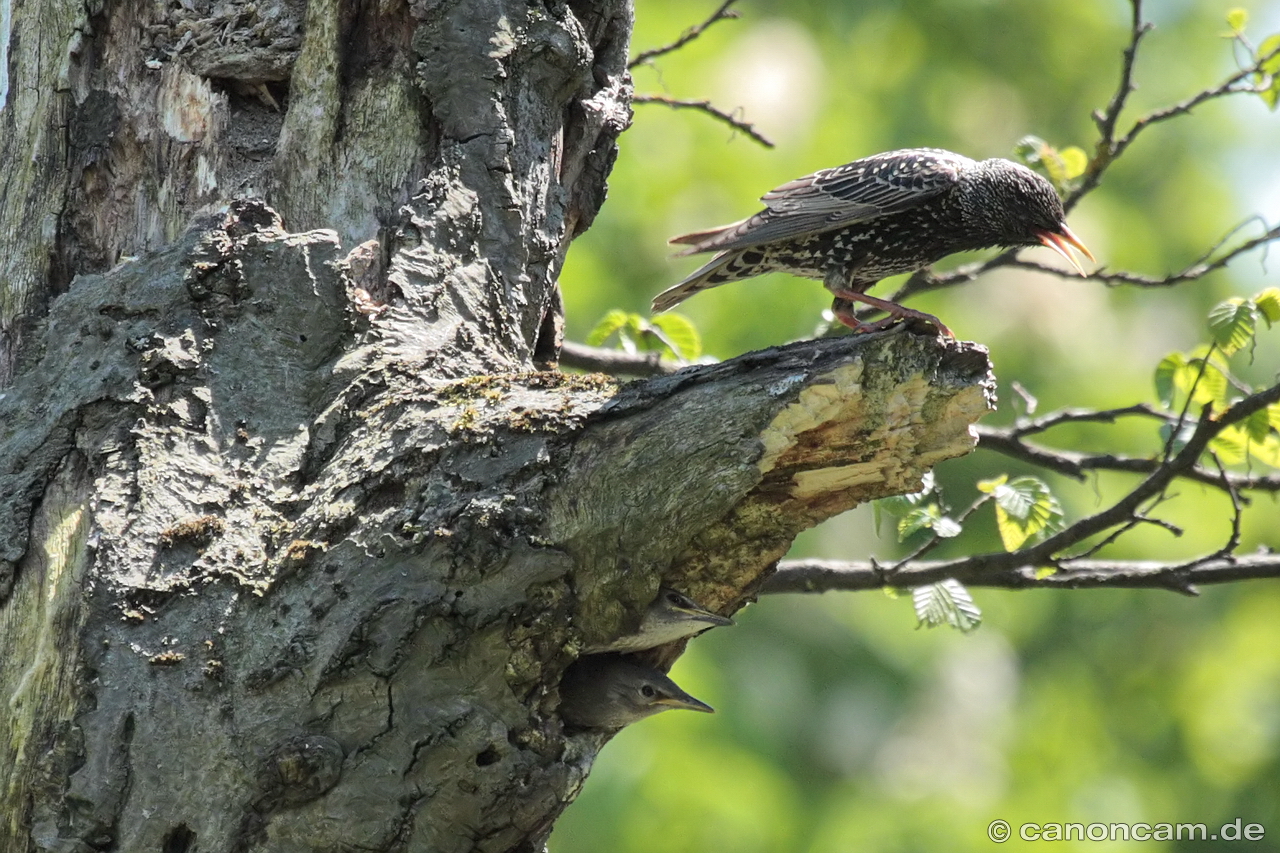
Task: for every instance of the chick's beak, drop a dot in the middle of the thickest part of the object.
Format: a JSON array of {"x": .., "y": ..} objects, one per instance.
[
  {"x": 684, "y": 700},
  {"x": 1061, "y": 241},
  {"x": 699, "y": 615}
]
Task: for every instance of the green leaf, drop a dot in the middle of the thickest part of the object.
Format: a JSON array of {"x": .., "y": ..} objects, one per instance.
[
  {"x": 928, "y": 517},
  {"x": 1231, "y": 445},
  {"x": 1236, "y": 19},
  {"x": 1045, "y": 572},
  {"x": 1268, "y": 302},
  {"x": 914, "y": 521},
  {"x": 1028, "y": 148},
  {"x": 946, "y": 603},
  {"x": 1177, "y": 374},
  {"x": 1207, "y": 382},
  {"x": 899, "y": 505},
  {"x": 1061, "y": 167},
  {"x": 946, "y": 527},
  {"x": 1271, "y": 95},
  {"x": 1074, "y": 161},
  {"x": 610, "y": 323},
  {"x": 681, "y": 336},
  {"x": 989, "y": 486},
  {"x": 1269, "y": 73},
  {"x": 1233, "y": 324},
  {"x": 1025, "y": 509},
  {"x": 1267, "y": 451},
  {"x": 1166, "y": 370},
  {"x": 1258, "y": 425}
]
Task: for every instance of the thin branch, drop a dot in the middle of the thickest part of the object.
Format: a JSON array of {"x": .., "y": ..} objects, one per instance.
[
  {"x": 833, "y": 575},
  {"x": 614, "y": 362},
  {"x": 1106, "y": 149},
  {"x": 1115, "y": 148},
  {"x": 1075, "y": 416},
  {"x": 1045, "y": 552},
  {"x": 935, "y": 540},
  {"x": 1136, "y": 521},
  {"x": 711, "y": 110},
  {"x": 926, "y": 280},
  {"x": 1176, "y": 429},
  {"x": 1197, "y": 269},
  {"x": 1109, "y": 147},
  {"x": 1237, "y": 510},
  {"x": 723, "y": 13},
  {"x": 1078, "y": 465},
  {"x": 1106, "y": 121}
]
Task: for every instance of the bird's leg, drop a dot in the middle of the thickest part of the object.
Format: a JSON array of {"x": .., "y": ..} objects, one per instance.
[{"x": 842, "y": 307}]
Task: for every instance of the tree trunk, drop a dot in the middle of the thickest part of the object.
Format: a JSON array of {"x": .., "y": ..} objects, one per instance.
[{"x": 296, "y": 539}]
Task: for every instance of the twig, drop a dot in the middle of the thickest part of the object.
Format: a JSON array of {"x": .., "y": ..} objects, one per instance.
[
  {"x": 1117, "y": 533},
  {"x": 1237, "y": 510},
  {"x": 1077, "y": 465},
  {"x": 1109, "y": 147},
  {"x": 1074, "y": 416},
  {"x": 1197, "y": 269},
  {"x": 1045, "y": 552},
  {"x": 926, "y": 280},
  {"x": 935, "y": 540},
  {"x": 721, "y": 14},
  {"x": 1106, "y": 150},
  {"x": 834, "y": 575},
  {"x": 614, "y": 362},
  {"x": 711, "y": 110},
  {"x": 1176, "y": 429}
]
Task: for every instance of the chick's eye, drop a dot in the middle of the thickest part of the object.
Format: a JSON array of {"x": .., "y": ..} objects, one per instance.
[
  {"x": 648, "y": 692},
  {"x": 675, "y": 598}
]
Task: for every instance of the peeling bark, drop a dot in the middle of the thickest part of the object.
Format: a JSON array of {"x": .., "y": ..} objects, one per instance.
[{"x": 296, "y": 540}]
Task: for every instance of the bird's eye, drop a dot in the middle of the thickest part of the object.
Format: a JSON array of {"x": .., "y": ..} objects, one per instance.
[
  {"x": 648, "y": 692},
  {"x": 676, "y": 598}
]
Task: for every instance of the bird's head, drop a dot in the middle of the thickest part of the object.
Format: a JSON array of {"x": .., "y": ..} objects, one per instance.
[
  {"x": 643, "y": 692},
  {"x": 1014, "y": 206},
  {"x": 673, "y": 615},
  {"x": 611, "y": 691}
]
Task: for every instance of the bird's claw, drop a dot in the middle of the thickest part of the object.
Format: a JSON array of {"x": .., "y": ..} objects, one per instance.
[{"x": 843, "y": 309}]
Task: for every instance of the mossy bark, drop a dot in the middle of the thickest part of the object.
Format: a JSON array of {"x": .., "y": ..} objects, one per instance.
[{"x": 299, "y": 532}]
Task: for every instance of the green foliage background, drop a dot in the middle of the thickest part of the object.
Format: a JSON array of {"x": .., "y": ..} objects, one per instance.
[{"x": 840, "y": 727}]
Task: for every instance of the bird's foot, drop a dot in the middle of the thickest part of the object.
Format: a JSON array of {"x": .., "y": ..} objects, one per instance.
[{"x": 842, "y": 307}]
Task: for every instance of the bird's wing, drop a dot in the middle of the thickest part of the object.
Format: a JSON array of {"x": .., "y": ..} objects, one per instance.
[{"x": 834, "y": 198}]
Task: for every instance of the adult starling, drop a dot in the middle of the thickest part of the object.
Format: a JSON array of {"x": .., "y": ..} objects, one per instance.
[
  {"x": 892, "y": 213},
  {"x": 612, "y": 691},
  {"x": 671, "y": 616}
]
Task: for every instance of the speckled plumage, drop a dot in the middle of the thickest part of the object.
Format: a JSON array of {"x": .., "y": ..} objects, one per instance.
[{"x": 896, "y": 212}]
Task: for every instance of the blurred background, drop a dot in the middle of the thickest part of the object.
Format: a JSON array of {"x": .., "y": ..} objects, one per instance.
[{"x": 842, "y": 728}]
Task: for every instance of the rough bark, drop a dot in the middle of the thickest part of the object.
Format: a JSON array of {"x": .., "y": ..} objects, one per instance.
[{"x": 296, "y": 539}]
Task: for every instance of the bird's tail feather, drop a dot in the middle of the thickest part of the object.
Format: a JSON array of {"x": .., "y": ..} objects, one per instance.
[
  {"x": 708, "y": 240},
  {"x": 709, "y": 275}
]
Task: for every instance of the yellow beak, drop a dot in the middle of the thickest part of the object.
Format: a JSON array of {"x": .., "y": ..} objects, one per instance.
[{"x": 1061, "y": 242}]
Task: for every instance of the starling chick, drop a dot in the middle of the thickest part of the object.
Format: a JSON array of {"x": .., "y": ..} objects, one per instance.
[
  {"x": 671, "y": 616},
  {"x": 612, "y": 691},
  {"x": 892, "y": 213}
]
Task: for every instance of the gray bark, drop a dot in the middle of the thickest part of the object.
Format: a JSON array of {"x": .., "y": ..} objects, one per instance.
[{"x": 298, "y": 538}]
